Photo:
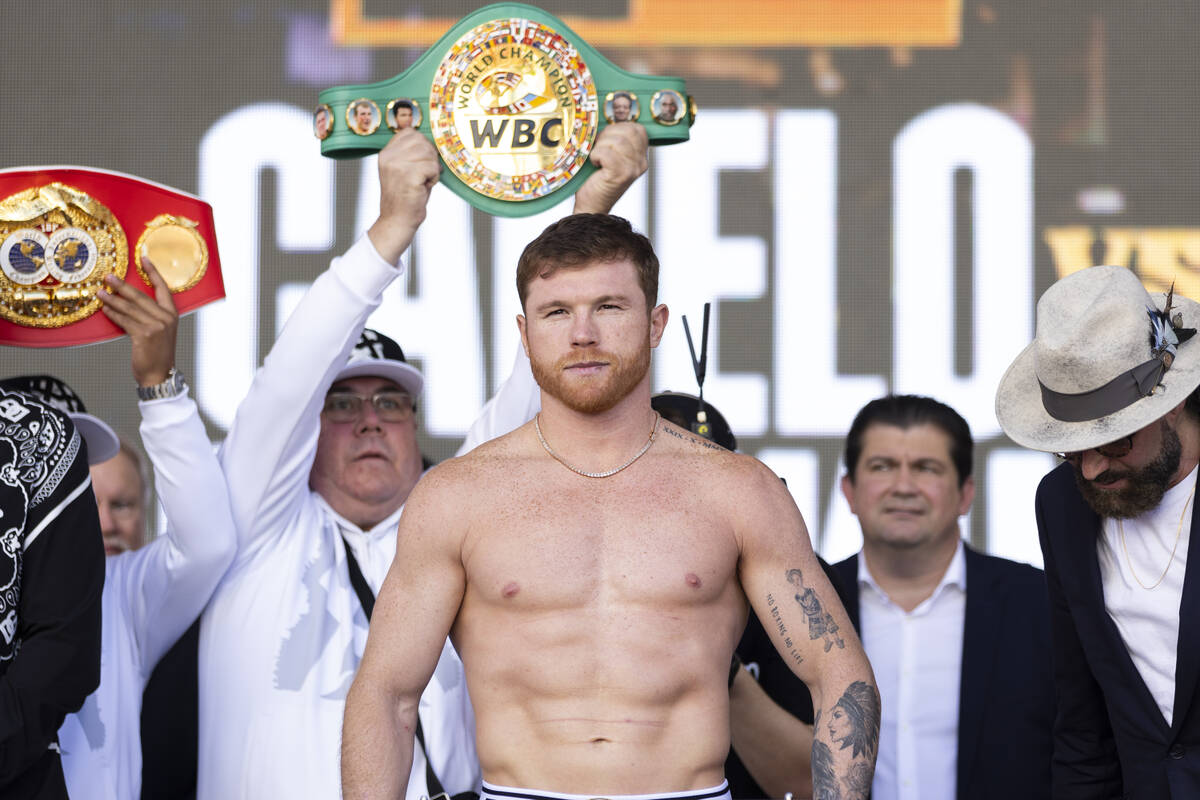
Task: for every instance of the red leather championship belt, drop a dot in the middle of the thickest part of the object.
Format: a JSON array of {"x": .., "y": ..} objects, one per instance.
[{"x": 63, "y": 229}]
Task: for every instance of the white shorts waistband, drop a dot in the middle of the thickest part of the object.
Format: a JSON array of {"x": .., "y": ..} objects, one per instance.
[{"x": 493, "y": 792}]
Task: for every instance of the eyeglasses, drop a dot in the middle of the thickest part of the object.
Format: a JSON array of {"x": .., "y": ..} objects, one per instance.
[
  {"x": 390, "y": 406},
  {"x": 1118, "y": 449}
]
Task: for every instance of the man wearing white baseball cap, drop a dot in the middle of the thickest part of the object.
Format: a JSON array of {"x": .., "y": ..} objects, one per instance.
[{"x": 1110, "y": 385}]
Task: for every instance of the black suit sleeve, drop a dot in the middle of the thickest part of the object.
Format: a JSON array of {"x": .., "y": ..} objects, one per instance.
[
  {"x": 1085, "y": 762},
  {"x": 57, "y": 663}
]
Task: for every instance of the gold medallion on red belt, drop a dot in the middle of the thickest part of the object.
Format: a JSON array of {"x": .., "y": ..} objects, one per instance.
[{"x": 175, "y": 248}]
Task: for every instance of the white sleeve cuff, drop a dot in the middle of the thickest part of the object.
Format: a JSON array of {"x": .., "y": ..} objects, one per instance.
[
  {"x": 364, "y": 271},
  {"x": 167, "y": 410}
]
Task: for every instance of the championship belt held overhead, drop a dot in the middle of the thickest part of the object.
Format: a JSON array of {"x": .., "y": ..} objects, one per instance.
[
  {"x": 64, "y": 229},
  {"x": 513, "y": 100}
]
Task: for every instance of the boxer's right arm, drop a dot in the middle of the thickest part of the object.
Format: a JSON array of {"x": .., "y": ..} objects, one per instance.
[{"x": 412, "y": 618}]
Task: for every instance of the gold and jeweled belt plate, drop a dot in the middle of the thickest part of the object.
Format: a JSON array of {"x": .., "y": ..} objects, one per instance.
[{"x": 63, "y": 229}]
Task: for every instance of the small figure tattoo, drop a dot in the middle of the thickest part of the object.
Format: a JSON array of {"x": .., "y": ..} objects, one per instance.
[{"x": 821, "y": 624}]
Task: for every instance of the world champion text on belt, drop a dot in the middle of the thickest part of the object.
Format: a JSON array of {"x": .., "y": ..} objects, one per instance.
[
  {"x": 513, "y": 100},
  {"x": 64, "y": 229}
]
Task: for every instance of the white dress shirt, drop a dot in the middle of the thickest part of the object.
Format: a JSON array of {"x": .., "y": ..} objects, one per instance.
[
  {"x": 917, "y": 657},
  {"x": 1148, "y": 619}
]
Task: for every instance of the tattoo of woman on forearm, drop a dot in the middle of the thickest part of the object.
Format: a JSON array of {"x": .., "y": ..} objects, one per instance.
[
  {"x": 854, "y": 724},
  {"x": 821, "y": 624}
]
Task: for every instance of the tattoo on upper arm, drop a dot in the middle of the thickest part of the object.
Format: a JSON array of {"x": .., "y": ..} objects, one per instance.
[
  {"x": 777, "y": 618},
  {"x": 821, "y": 624}
]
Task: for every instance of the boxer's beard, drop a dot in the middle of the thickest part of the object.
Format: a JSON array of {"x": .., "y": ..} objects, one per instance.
[
  {"x": 1144, "y": 486},
  {"x": 593, "y": 394}
]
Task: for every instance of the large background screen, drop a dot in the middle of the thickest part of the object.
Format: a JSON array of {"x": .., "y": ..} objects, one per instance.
[{"x": 874, "y": 194}]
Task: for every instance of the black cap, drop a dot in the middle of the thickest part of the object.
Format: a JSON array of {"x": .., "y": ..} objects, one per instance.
[{"x": 378, "y": 356}]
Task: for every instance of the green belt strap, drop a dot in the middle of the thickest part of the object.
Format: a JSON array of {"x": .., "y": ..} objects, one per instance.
[{"x": 513, "y": 100}]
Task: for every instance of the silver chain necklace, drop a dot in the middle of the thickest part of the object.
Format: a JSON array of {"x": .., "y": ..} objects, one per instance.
[{"x": 608, "y": 473}]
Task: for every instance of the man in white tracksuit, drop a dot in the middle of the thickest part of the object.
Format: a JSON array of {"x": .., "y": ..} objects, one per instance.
[{"x": 320, "y": 458}]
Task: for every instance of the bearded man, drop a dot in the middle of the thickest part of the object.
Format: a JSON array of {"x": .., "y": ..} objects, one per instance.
[
  {"x": 320, "y": 460},
  {"x": 596, "y": 604},
  {"x": 668, "y": 108},
  {"x": 1109, "y": 383}
]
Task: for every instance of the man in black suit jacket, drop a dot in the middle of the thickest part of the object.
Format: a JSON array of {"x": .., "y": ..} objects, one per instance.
[
  {"x": 1110, "y": 383},
  {"x": 960, "y": 641}
]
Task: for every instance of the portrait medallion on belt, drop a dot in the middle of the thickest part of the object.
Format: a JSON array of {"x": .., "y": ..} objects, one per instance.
[
  {"x": 56, "y": 245},
  {"x": 513, "y": 109}
]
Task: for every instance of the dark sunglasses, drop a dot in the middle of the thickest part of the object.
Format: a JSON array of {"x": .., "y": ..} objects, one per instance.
[{"x": 1118, "y": 449}]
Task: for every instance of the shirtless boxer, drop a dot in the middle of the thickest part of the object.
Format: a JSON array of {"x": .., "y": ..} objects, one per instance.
[{"x": 594, "y": 594}]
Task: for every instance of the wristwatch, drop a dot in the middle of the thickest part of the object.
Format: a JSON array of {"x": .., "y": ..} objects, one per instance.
[{"x": 173, "y": 386}]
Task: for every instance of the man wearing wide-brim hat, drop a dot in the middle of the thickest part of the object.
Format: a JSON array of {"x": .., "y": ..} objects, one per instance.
[{"x": 1110, "y": 385}]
